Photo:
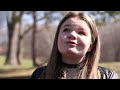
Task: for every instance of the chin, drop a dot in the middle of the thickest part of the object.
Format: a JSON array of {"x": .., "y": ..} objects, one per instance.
[{"x": 72, "y": 50}]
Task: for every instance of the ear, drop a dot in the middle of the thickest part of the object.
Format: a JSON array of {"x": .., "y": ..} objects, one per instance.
[{"x": 91, "y": 47}]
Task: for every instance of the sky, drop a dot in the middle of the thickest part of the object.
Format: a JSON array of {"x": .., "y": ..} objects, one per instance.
[
  {"x": 27, "y": 19},
  {"x": 3, "y": 15}
]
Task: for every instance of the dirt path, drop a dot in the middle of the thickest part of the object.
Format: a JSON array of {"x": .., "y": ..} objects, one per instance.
[{"x": 17, "y": 77}]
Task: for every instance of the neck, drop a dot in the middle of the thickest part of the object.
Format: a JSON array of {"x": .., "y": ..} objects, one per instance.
[
  {"x": 79, "y": 65},
  {"x": 72, "y": 60}
]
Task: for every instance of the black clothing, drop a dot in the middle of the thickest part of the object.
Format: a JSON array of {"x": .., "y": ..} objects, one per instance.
[{"x": 104, "y": 72}]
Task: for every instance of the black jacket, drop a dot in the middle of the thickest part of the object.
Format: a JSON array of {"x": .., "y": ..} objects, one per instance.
[{"x": 105, "y": 73}]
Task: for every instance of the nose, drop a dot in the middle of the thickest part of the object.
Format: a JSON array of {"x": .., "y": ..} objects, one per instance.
[{"x": 72, "y": 35}]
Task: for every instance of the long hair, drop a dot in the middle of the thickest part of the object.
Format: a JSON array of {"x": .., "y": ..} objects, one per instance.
[{"x": 90, "y": 70}]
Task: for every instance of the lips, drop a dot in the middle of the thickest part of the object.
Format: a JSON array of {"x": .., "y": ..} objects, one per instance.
[{"x": 72, "y": 43}]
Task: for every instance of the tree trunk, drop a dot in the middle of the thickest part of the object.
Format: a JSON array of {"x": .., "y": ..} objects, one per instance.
[
  {"x": 20, "y": 40},
  {"x": 20, "y": 47},
  {"x": 34, "y": 38},
  {"x": 11, "y": 58},
  {"x": 12, "y": 48}
]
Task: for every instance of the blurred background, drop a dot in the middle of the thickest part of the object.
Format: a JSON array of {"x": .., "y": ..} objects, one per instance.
[{"x": 26, "y": 39}]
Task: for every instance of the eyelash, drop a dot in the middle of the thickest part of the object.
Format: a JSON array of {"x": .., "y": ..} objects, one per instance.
[
  {"x": 81, "y": 33},
  {"x": 66, "y": 30}
]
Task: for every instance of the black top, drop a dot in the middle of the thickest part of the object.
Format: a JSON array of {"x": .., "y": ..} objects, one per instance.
[{"x": 105, "y": 73}]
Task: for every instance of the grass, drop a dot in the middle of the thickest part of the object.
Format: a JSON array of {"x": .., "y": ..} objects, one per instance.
[
  {"x": 26, "y": 68},
  {"x": 26, "y": 63}
]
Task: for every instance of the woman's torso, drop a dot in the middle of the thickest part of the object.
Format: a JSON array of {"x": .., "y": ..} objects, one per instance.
[{"x": 105, "y": 73}]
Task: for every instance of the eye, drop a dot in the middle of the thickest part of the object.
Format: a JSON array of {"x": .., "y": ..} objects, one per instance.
[
  {"x": 66, "y": 30},
  {"x": 81, "y": 33}
]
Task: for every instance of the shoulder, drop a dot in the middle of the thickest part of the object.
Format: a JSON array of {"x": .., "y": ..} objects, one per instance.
[
  {"x": 37, "y": 72},
  {"x": 107, "y": 73}
]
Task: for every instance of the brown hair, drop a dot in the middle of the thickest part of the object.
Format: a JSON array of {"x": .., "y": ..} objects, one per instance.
[{"x": 91, "y": 65}]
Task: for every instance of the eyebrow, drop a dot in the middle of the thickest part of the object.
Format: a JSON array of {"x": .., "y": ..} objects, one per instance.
[
  {"x": 66, "y": 25},
  {"x": 70, "y": 25}
]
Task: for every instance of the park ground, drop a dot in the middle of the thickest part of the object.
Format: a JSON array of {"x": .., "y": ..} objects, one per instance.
[{"x": 25, "y": 70}]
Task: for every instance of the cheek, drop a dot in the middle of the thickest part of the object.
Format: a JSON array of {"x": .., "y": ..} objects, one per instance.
[
  {"x": 84, "y": 43},
  {"x": 60, "y": 42},
  {"x": 60, "y": 39}
]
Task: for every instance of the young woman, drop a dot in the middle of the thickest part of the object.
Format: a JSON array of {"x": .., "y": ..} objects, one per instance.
[{"x": 76, "y": 51}]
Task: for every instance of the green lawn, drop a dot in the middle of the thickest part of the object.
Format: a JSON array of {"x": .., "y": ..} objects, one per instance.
[
  {"x": 26, "y": 68},
  {"x": 7, "y": 71},
  {"x": 25, "y": 64}
]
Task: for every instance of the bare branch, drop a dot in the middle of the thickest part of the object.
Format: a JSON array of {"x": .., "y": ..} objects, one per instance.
[{"x": 26, "y": 31}]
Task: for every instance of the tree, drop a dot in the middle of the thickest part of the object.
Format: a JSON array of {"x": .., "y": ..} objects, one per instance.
[
  {"x": 20, "y": 39},
  {"x": 13, "y": 22},
  {"x": 103, "y": 17},
  {"x": 33, "y": 43},
  {"x": 110, "y": 42},
  {"x": 48, "y": 17}
]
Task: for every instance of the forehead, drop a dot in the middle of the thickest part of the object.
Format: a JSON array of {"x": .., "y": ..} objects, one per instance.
[{"x": 75, "y": 21}]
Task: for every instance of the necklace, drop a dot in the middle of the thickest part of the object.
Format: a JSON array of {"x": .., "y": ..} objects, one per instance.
[
  {"x": 80, "y": 65},
  {"x": 71, "y": 71},
  {"x": 70, "y": 65}
]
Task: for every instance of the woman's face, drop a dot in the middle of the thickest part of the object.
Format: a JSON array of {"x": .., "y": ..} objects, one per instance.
[{"x": 74, "y": 39}]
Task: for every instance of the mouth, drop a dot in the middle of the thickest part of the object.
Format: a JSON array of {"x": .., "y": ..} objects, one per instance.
[{"x": 71, "y": 43}]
